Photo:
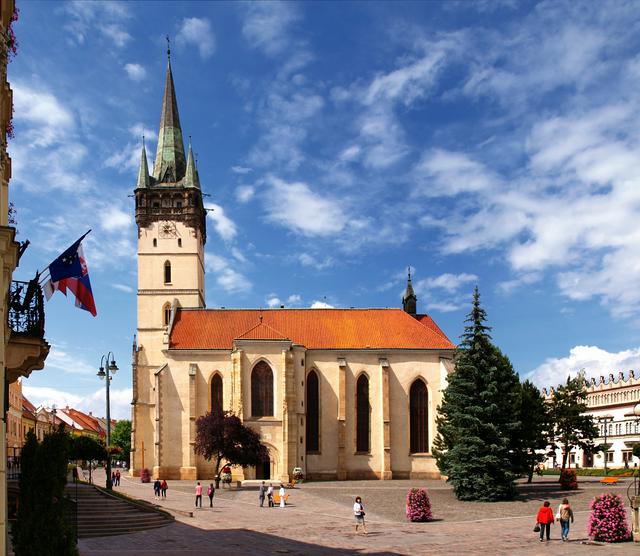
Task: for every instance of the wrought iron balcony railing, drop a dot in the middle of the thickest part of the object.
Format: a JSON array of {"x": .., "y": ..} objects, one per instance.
[{"x": 26, "y": 309}]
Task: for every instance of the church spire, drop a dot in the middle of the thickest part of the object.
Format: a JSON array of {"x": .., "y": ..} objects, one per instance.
[
  {"x": 143, "y": 173},
  {"x": 170, "y": 165},
  {"x": 191, "y": 178},
  {"x": 409, "y": 299}
]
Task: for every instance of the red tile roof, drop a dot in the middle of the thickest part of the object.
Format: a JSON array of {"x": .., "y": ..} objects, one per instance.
[{"x": 312, "y": 328}]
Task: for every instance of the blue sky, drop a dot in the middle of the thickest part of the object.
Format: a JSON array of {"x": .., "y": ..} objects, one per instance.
[{"x": 489, "y": 143}]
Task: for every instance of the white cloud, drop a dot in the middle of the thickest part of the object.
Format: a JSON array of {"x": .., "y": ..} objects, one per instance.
[
  {"x": 321, "y": 305},
  {"x": 62, "y": 360},
  {"x": 136, "y": 72},
  {"x": 242, "y": 170},
  {"x": 294, "y": 299},
  {"x": 226, "y": 277},
  {"x": 107, "y": 18},
  {"x": 308, "y": 260},
  {"x": 222, "y": 223},
  {"x": 595, "y": 361},
  {"x": 296, "y": 207},
  {"x": 123, "y": 288},
  {"x": 446, "y": 292},
  {"x": 273, "y": 301},
  {"x": 244, "y": 193},
  {"x": 197, "y": 31},
  {"x": 115, "y": 218},
  {"x": 266, "y": 25}
]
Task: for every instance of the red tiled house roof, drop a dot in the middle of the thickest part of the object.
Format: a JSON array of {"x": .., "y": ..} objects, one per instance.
[{"x": 312, "y": 328}]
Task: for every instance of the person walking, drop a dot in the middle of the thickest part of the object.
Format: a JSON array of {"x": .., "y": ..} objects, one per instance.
[
  {"x": 358, "y": 511},
  {"x": 282, "y": 493},
  {"x": 198, "y": 494},
  {"x": 210, "y": 492},
  {"x": 156, "y": 489},
  {"x": 270, "y": 495},
  {"x": 545, "y": 519},
  {"x": 261, "y": 493},
  {"x": 113, "y": 478},
  {"x": 163, "y": 488},
  {"x": 118, "y": 478},
  {"x": 565, "y": 513}
]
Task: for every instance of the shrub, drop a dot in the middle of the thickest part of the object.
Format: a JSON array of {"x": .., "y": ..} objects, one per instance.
[
  {"x": 568, "y": 479},
  {"x": 608, "y": 519},
  {"x": 418, "y": 505}
]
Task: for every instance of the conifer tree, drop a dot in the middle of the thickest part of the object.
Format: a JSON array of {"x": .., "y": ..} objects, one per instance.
[{"x": 477, "y": 424}]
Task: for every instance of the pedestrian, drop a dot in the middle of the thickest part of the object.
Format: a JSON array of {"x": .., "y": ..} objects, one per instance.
[
  {"x": 210, "y": 492},
  {"x": 261, "y": 493},
  {"x": 270, "y": 495},
  {"x": 545, "y": 519},
  {"x": 113, "y": 478},
  {"x": 118, "y": 478},
  {"x": 163, "y": 488},
  {"x": 358, "y": 511},
  {"x": 156, "y": 489},
  {"x": 198, "y": 494},
  {"x": 282, "y": 492},
  {"x": 565, "y": 513}
]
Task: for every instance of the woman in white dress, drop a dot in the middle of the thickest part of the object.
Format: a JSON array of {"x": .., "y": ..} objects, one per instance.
[{"x": 282, "y": 495}]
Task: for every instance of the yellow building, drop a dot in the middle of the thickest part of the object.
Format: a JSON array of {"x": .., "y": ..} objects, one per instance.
[
  {"x": 23, "y": 347},
  {"x": 340, "y": 393}
]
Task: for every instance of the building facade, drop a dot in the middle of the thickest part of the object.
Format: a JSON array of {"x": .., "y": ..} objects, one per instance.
[
  {"x": 611, "y": 402},
  {"x": 340, "y": 393}
]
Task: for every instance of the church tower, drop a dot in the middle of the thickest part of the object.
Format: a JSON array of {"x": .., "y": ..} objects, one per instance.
[
  {"x": 409, "y": 299},
  {"x": 171, "y": 221}
]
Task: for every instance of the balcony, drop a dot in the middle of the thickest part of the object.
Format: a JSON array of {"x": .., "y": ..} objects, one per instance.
[{"x": 27, "y": 348}]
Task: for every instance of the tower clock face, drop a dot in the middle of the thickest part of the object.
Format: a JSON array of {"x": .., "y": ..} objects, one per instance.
[{"x": 168, "y": 230}]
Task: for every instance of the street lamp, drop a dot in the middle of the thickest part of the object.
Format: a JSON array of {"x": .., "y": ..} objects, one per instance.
[
  {"x": 108, "y": 366},
  {"x": 605, "y": 419}
]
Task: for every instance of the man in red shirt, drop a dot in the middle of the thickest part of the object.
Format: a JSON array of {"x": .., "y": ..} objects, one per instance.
[
  {"x": 198, "y": 494},
  {"x": 545, "y": 519}
]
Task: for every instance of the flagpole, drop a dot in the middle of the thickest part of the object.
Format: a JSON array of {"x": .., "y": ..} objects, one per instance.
[{"x": 77, "y": 241}]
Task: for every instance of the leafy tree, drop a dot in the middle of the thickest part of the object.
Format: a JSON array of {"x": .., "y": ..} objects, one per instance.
[
  {"x": 41, "y": 526},
  {"x": 121, "y": 437},
  {"x": 88, "y": 449},
  {"x": 221, "y": 436},
  {"x": 532, "y": 437},
  {"x": 477, "y": 425},
  {"x": 571, "y": 425}
]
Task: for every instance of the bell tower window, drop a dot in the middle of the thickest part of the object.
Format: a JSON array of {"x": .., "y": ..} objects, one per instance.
[
  {"x": 166, "y": 314},
  {"x": 155, "y": 242},
  {"x": 167, "y": 272}
]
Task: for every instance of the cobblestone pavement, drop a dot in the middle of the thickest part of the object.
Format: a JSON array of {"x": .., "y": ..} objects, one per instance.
[{"x": 319, "y": 520}]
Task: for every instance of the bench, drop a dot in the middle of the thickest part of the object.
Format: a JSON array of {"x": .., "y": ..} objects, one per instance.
[
  {"x": 609, "y": 480},
  {"x": 276, "y": 498}
]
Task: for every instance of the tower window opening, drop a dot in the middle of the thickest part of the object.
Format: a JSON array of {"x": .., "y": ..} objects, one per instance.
[
  {"x": 155, "y": 242},
  {"x": 156, "y": 204},
  {"x": 167, "y": 272},
  {"x": 166, "y": 314},
  {"x": 179, "y": 204},
  {"x": 179, "y": 242}
]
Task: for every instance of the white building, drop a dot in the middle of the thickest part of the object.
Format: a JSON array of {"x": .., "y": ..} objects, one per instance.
[{"x": 611, "y": 403}]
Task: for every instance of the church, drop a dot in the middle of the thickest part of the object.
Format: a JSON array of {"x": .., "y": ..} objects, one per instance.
[{"x": 341, "y": 393}]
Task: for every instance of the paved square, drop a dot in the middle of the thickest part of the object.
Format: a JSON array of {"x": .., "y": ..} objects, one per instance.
[{"x": 319, "y": 520}]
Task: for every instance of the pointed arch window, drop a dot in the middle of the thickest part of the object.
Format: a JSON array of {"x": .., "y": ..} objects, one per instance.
[
  {"x": 419, "y": 417},
  {"x": 262, "y": 390},
  {"x": 216, "y": 394},
  {"x": 167, "y": 272},
  {"x": 313, "y": 413},
  {"x": 166, "y": 314},
  {"x": 362, "y": 414}
]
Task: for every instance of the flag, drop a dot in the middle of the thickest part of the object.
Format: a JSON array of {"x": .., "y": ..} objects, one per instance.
[{"x": 69, "y": 272}]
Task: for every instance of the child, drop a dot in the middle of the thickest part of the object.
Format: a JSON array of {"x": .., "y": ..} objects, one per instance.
[{"x": 358, "y": 510}]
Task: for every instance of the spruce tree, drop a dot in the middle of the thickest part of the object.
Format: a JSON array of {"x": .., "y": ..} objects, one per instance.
[{"x": 477, "y": 421}]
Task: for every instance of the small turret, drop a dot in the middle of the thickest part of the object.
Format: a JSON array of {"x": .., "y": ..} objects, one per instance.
[
  {"x": 191, "y": 178},
  {"x": 143, "y": 174},
  {"x": 409, "y": 299}
]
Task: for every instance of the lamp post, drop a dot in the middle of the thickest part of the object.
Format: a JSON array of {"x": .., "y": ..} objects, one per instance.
[
  {"x": 605, "y": 419},
  {"x": 108, "y": 366}
]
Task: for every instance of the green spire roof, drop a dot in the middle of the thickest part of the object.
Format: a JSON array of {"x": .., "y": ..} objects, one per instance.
[
  {"x": 170, "y": 165},
  {"x": 191, "y": 178},
  {"x": 143, "y": 173}
]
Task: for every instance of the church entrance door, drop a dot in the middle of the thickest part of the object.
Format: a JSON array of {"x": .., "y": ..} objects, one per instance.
[{"x": 263, "y": 470}]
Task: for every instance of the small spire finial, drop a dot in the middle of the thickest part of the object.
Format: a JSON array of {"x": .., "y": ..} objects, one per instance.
[
  {"x": 168, "y": 48},
  {"x": 143, "y": 145}
]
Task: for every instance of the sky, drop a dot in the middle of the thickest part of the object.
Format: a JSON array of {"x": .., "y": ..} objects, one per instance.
[{"x": 488, "y": 143}]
